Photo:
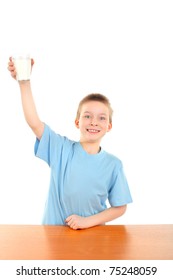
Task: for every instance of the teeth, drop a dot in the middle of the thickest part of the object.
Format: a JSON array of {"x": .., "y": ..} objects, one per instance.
[{"x": 93, "y": 130}]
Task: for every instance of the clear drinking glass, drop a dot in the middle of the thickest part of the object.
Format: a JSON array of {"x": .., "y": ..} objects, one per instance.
[{"x": 23, "y": 67}]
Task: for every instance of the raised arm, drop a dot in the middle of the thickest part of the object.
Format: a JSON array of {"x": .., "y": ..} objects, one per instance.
[{"x": 29, "y": 108}]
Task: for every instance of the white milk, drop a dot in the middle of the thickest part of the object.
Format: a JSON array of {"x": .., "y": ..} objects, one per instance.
[{"x": 23, "y": 67}]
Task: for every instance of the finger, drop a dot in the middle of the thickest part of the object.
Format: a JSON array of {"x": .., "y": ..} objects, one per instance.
[
  {"x": 73, "y": 225},
  {"x": 11, "y": 63},
  {"x": 69, "y": 223},
  {"x": 12, "y": 71},
  {"x": 68, "y": 219},
  {"x": 11, "y": 68}
]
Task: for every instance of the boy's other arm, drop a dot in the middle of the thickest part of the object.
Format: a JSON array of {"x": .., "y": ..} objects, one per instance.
[{"x": 78, "y": 222}]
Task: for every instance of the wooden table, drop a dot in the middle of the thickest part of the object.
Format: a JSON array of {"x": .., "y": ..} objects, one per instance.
[{"x": 110, "y": 242}]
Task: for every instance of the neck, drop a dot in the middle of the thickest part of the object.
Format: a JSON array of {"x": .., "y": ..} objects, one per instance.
[{"x": 90, "y": 148}]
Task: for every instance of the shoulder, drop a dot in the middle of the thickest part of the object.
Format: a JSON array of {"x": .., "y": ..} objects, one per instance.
[
  {"x": 112, "y": 158},
  {"x": 54, "y": 136},
  {"x": 53, "y": 142},
  {"x": 52, "y": 147}
]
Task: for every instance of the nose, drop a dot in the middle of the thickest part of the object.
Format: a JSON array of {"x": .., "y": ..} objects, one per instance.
[{"x": 93, "y": 121}]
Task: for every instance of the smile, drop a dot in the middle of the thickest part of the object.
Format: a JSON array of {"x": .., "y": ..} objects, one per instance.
[{"x": 93, "y": 130}]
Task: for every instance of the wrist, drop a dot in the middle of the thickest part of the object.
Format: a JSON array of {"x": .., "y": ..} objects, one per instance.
[
  {"x": 25, "y": 82},
  {"x": 24, "y": 85},
  {"x": 91, "y": 221}
]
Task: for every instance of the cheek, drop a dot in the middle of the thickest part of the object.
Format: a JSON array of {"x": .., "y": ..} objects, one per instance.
[
  {"x": 106, "y": 126},
  {"x": 84, "y": 122}
]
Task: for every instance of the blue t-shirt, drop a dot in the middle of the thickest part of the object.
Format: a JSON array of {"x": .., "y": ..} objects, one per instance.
[{"x": 80, "y": 183}]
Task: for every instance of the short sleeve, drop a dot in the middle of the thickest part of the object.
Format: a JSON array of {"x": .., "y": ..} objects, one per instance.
[
  {"x": 48, "y": 147},
  {"x": 119, "y": 193}
]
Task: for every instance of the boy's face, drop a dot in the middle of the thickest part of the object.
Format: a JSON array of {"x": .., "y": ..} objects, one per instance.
[{"x": 93, "y": 121}]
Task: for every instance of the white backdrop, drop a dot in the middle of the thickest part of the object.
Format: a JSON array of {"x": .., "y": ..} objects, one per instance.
[{"x": 123, "y": 49}]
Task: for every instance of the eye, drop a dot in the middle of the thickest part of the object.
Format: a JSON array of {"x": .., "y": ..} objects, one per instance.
[
  {"x": 87, "y": 116},
  {"x": 102, "y": 118}
]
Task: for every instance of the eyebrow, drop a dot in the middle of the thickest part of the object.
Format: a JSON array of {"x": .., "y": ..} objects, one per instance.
[{"x": 88, "y": 112}]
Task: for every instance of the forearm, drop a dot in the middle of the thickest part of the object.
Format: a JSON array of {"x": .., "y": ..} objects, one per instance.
[
  {"x": 29, "y": 108},
  {"x": 79, "y": 222},
  {"x": 107, "y": 215}
]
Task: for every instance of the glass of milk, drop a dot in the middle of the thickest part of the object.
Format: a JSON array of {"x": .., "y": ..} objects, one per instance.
[{"x": 22, "y": 64}]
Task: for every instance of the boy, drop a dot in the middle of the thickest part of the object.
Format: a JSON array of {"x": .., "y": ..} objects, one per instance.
[{"x": 83, "y": 176}]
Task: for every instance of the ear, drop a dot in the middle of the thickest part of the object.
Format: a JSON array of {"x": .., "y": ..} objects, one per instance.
[
  {"x": 109, "y": 127},
  {"x": 77, "y": 123}
]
